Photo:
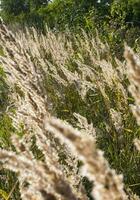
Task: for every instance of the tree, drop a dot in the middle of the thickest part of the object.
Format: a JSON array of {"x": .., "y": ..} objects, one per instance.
[
  {"x": 38, "y": 3},
  {"x": 135, "y": 5},
  {"x": 23, "y": 12},
  {"x": 14, "y": 7}
]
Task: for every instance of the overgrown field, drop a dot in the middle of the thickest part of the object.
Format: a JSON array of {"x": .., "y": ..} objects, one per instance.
[{"x": 64, "y": 101}]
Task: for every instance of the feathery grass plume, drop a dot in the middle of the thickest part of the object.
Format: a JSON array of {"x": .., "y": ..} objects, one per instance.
[
  {"x": 24, "y": 77},
  {"x": 82, "y": 70},
  {"x": 39, "y": 180},
  {"x": 25, "y": 80},
  {"x": 31, "y": 59},
  {"x": 84, "y": 125},
  {"x": 107, "y": 185},
  {"x": 95, "y": 73},
  {"x": 137, "y": 144},
  {"x": 35, "y": 178},
  {"x": 116, "y": 119},
  {"x": 133, "y": 63},
  {"x": 132, "y": 196},
  {"x": 45, "y": 182}
]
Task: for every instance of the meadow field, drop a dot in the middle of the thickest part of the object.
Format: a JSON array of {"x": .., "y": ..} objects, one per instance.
[
  {"x": 69, "y": 100},
  {"x": 69, "y": 124}
]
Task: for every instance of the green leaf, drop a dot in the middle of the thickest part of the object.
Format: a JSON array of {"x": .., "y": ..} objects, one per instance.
[{"x": 3, "y": 194}]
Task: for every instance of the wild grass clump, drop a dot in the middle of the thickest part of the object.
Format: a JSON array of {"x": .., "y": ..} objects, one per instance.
[
  {"x": 133, "y": 65},
  {"x": 73, "y": 78}
]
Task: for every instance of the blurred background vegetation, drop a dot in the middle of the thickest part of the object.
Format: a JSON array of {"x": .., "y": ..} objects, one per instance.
[{"x": 116, "y": 20}]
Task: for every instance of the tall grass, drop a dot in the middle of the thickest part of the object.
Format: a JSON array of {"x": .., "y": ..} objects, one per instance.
[{"x": 76, "y": 79}]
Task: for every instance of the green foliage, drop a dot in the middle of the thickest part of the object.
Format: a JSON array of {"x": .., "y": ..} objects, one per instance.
[
  {"x": 14, "y": 7},
  {"x": 88, "y": 187},
  {"x": 3, "y": 194},
  {"x": 3, "y": 91},
  {"x": 135, "y": 7},
  {"x": 24, "y": 12},
  {"x": 7, "y": 178},
  {"x": 6, "y": 129},
  {"x": 114, "y": 19}
]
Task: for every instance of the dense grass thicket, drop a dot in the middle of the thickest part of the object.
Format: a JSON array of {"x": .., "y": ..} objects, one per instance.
[
  {"x": 75, "y": 79},
  {"x": 70, "y": 100}
]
